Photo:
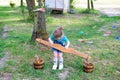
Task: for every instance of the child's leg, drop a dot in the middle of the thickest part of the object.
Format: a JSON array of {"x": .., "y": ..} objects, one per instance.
[
  {"x": 60, "y": 60},
  {"x": 55, "y": 60}
]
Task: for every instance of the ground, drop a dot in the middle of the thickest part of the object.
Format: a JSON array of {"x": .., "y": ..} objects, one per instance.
[{"x": 17, "y": 54}]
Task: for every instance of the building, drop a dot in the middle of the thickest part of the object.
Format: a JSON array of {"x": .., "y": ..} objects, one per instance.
[{"x": 60, "y": 5}]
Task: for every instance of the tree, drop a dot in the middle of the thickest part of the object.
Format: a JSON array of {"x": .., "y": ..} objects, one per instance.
[
  {"x": 90, "y": 4},
  {"x": 71, "y": 5},
  {"x": 39, "y": 29},
  {"x": 40, "y": 3},
  {"x": 30, "y": 6},
  {"x": 21, "y": 3},
  {"x": 22, "y": 8}
]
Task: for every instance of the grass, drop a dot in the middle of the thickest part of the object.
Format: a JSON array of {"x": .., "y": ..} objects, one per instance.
[{"x": 104, "y": 50}]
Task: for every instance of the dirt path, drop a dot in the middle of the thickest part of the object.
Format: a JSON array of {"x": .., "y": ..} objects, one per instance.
[
  {"x": 111, "y": 8},
  {"x": 4, "y": 59},
  {"x": 4, "y": 32},
  {"x": 110, "y": 11},
  {"x": 5, "y": 76}
]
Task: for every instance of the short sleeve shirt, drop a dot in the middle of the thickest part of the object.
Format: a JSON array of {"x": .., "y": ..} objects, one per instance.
[{"x": 63, "y": 39}]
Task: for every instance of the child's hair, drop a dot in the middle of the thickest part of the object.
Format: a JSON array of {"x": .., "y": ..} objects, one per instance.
[{"x": 58, "y": 32}]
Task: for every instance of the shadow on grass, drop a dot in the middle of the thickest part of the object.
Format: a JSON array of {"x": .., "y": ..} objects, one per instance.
[
  {"x": 28, "y": 20},
  {"x": 5, "y": 8}
]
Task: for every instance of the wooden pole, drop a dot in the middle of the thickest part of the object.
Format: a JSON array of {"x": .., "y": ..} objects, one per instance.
[{"x": 61, "y": 48}]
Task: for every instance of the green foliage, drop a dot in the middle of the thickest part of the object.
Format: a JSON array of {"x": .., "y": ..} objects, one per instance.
[
  {"x": 73, "y": 3},
  {"x": 1, "y": 54},
  {"x": 87, "y": 11}
]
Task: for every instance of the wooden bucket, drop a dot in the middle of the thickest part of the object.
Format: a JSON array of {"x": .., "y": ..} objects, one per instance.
[
  {"x": 88, "y": 67},
  {"x": 38, "y": 63}
]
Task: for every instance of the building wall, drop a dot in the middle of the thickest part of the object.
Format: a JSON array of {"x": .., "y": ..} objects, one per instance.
[
  {"x": 66, "y": 5},
  {"x": 58, "y": 5}
]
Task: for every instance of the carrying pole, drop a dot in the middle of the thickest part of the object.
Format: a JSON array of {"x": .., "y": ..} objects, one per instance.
[{"x": 61, "y": 48}]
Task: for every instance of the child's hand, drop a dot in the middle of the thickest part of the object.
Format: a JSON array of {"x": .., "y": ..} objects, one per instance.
[
  {"x": 66, "y": 47},
  {"x": 68, "y": 43},
  {"x": 51, "y": 42}
]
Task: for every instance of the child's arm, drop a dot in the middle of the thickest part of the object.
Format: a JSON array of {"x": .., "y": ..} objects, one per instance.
[
  {"x": 67, "y": 45},
  {"x": 50, "y": 41}
]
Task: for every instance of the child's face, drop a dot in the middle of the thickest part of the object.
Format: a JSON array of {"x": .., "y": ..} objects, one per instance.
[{"x": 57, "y": 38}]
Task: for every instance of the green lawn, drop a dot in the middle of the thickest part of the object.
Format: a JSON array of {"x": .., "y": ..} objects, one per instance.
[{"x": 104, "y": 50}]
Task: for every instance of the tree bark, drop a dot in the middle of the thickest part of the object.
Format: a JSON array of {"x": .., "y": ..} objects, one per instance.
[
  {"x": 88, "y": 4},
  {"x": 21, "y": 3},
  {"x": 92, "y": 5},
  {"x": 30, "y": 6},
  {"x": 39, "y": 30}
]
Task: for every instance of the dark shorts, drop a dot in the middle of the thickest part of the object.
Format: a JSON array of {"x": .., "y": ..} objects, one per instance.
[{"x": 57, "y": 42}]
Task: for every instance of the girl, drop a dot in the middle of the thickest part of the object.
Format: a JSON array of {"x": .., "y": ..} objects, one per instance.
[{"x": 58, "y": 38}]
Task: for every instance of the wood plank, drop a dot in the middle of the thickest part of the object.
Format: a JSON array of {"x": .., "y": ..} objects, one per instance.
[{"x": 61, "y": 48}]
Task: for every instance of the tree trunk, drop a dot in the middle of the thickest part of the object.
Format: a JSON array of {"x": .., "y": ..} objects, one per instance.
[
  {"x": 40, "y": 3},
  {"x": 21, "y": 3},
  {"x": 92, "y": 5},
  {"x": 39, "y": 30},
  {"x": 31, "y": 6},
  {"x": 88, "y": 4}
]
